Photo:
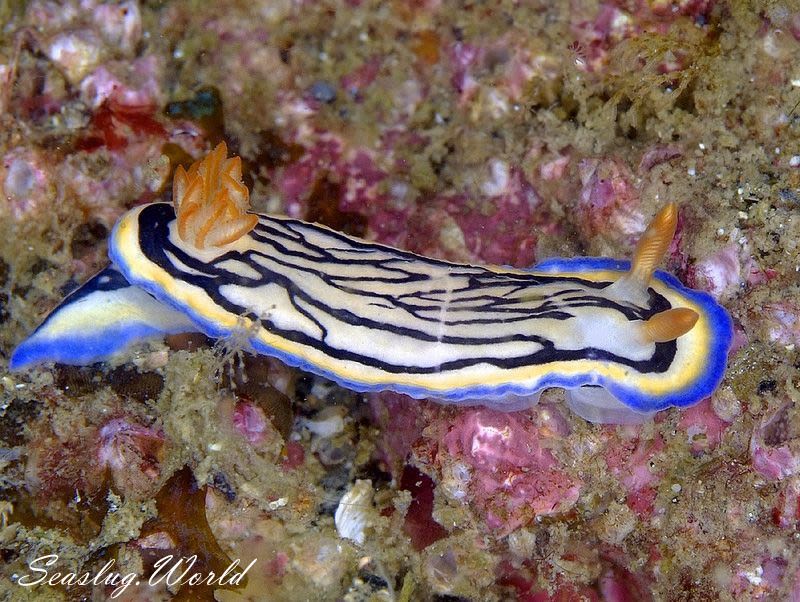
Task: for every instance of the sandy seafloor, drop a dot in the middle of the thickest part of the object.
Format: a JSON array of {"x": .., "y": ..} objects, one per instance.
[{"x": 483, "y": 132}]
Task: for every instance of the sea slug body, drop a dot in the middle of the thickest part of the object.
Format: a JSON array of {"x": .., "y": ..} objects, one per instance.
[{"x": 624, "y": 339}]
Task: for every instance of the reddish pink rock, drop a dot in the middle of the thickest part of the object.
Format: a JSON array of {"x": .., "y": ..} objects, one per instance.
[
  {"x": 618, "y": 585},
  {"x": 631, "y": 461},
  {"x": 25, "y": 183},
  {"x": 402, "y": 419},
  {"x": 786, "y": 513},
  {"x": 718, "y": 274},
  {"x": 755, "y": 275},
  {"x": 794, "y": 591},
  {"x": 132, "y": 453},
  {"x": 760, "y": 580},
  {"x": 775, "y": 446},
  {"x": 740, "y": 339},
  {"x": 523, "y": 583},
  {"x": 499, "y": 229},
  {"x": 782, "y": 322},
  {"x": 505, "y": 234},
  {"x": 595, "y": 35},
  {"x": 296, "y": 180},
  {"x": 555, "y": 168},
  {"x": 361, "y": 178},
  {"x": 294, "y": 456},
  {"x": 704, "y": 429},
  {"x": 514, "y": 476},
  {"x": 361, "y": 77},
  {"x": 277, "y": 567},
  {"x": 138, "y": 83},
  {"x": 389, "y": 225},
  {"x": 499, "y": 463},
  {"x": 61, "y": 464},
  {"x": 599, "y": 32},
  {"x": 251, "y": 422}
]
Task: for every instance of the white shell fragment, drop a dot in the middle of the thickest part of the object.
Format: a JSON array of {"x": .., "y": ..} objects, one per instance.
[
  {"x": 353, "y": 512},
  {"x": 328, "y": 423}
]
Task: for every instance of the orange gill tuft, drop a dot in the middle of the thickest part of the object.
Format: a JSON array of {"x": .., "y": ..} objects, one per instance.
[{"x": 211, "y": 202}]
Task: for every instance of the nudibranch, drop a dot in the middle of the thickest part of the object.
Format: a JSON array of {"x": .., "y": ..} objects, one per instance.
[{"x": 624, "y": 339}]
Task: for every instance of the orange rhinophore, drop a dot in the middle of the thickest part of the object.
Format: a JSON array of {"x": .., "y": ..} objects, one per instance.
[
  {"x": 669, "y": 324},
  {"x": 211, "y": 202},
  {"x": 654, "y": 243}
]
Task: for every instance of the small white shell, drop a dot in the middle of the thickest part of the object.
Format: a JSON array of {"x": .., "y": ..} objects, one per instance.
[
  {"x": 327, "y": 423},
  {"x": 353, "y": 512}
]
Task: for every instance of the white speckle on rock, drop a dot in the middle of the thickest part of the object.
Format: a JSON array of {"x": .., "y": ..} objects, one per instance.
[
  {"x": 327, "y": 423},
  {"x": 754, "y": 576},
  {"x": 120, "y": 24},
  {"x": 279, "y": 503},
  {"x": 497, "y": 183},
  {"x": 75, "y": 52}
]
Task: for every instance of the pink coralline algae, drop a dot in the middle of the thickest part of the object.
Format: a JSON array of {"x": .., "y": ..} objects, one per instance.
[
  {"x": 295, "y": 181},
  {"x": 132, "y": 84},
  {"x": 599, "y": 33},
  {"x": 617, "y": 584},
  {"x": 25, "y": 182},
  {"x": 555, "y": 168},
  {"x": 504, "y": 466},
  {"x": 718, "y": 274},
  {"x": 762, "y": 580},
  {"x": 60, "y": 464},
  {"x": 499, "y": 226},
  {"x": 132, "y": 453},
  {"x": 251, "y": 422},
  {"x": 502, "y": 227},
  {"x": 509, "y": 472},
  {"x": 786, "y": 512},
  {"x": 513, "y": 62},
  {"x": 775, "y": 446},
  {"x": 632, "y": 461},
  {"x": 596, "y": 35},
  {"x": 354, "y": 83},
  {"x": 609, "y": 204},
  {"x": 782, "y": 322},
  {"x": 407, "y": 421},
  {"x": 455, "y": 228},
  {"x": 703, "y": 427}
]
